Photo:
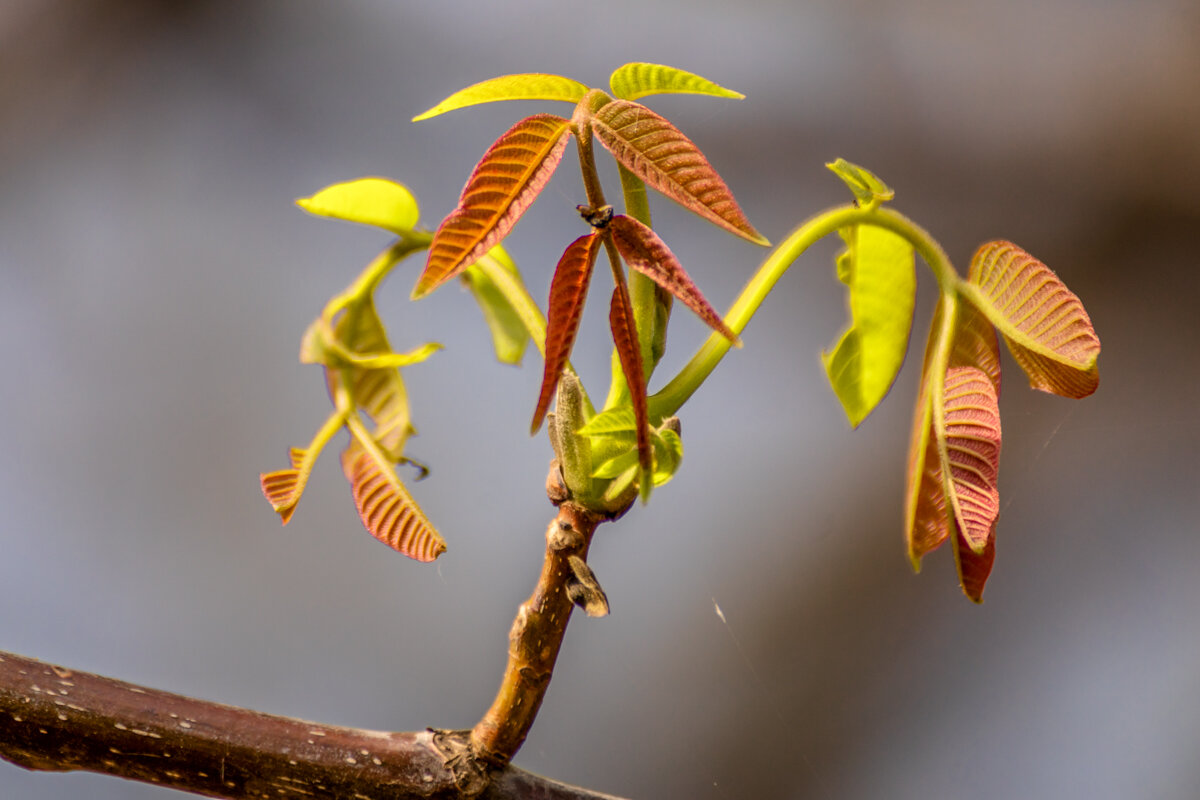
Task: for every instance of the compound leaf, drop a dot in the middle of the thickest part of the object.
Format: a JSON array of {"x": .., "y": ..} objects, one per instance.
[
  {"x": 568, "y": 291},
  {"x": 644, "y": 251},
  {"x": 505, "y": 182},
  {"x": 657, "y": 152},
  {"x": 639, "y": 79},
  {"x": 369, "y": 201},
  {"x": 879, "y": 272},
  {"x": 526, "y": 86},
  {"x": 1044, "y": 323}
]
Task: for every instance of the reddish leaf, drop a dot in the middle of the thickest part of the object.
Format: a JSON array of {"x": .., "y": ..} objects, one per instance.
[
  {"x": 624, "y": 331},
  {"x": 927, "y": 521},
  {"x": 284, "y": 487},
  {"x": 972, "y": 452},
  {"x": 975, "y": 343},
  {"x": 974, "y": 568},
  {"x": 1046, "y": 327},
  {"x": 644, "y": 251},
  {"x": 386, "y": 508},
  {"x": 505, "y": 182},
  {"x": 568, "y": 290},
  {"x": 657, "y": 152}
]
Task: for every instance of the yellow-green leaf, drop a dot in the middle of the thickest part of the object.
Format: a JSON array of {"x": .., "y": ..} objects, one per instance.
[
  {"x": 640, "y": 79},
  {"x": 1045, "y": 325},
  {"x": 867, "y": 188},
  {"x": 509, "y": 333},
  {"x": 369, "y": 201},
  {"x": 614, "y": 421},
  {"x": 881, "y": 279},
  {"x": 526, "y": 86}
]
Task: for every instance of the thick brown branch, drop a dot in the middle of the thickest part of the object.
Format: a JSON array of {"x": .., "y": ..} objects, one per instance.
[{"x": 57, "y": 719}]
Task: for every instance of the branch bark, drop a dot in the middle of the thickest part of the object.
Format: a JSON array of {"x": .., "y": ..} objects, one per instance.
[{"x": 57, "y": 719}]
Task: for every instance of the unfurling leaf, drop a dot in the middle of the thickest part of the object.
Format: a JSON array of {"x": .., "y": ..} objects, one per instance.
[
  {"x": 369, "y": 201},
  {"x": 1044, "y": 323},
  {"x": 568, "y": 291},
  {"x": 878, "y": 270},
  {"x": 614, "y": 421},
  {"x": 926, "y": 518},
  {"x": 505, "y": 181},
  {"x": 385, "y": 506},
  {"x": 654, "y": 150},
  {"x": 528, "y": 86},
  {"x": 284, "y": 487},
  {"x": 645, "y": 252},
  {"x": 972, "y": 423},
  {"x": 668, "y": 454},
  {"x": 620, "y": 319},
  {"x": 510, "y": 336},
  {"x": 640, "y": 79},
  {"x": 868, "y": 189}
]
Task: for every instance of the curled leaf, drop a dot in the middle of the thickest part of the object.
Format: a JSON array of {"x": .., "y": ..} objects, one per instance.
[
  {"x": 284, "y": 487},
  {"x": 510, "y": 336},
  {"x": 927, "y": 521},
  {"x": 505, "y": 182},
  {"x": 386, "y": 508},
  {"x": 657, "y": 152},
  {"x": 369, "y": 201},
  {"x": 1044, "y": 323},
  {"x": 527, "y": 86},
  {"x": 878, "y": 270},
  {"x": 644, "y": 251},
  {"x": 568, "y": 291},
  {"x": 867, "y": 189},
  {"x": 639, "y": 79},
  {"x": 972, "y": 453}
]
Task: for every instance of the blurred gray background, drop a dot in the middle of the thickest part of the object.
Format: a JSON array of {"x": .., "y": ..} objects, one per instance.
[{"x": 155, "y": 279}]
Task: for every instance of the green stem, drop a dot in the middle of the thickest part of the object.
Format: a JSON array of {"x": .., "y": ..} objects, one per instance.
[
  {"x": 668, "y": 400},
  {"x": 651, "y": 306}
]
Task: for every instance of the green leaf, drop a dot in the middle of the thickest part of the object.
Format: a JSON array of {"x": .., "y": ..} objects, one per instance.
[
  {"x": 640, "y": 79},
  {"x": 618, "y": 465},
  {"x": 527, "y": 86},
  {"x": 369, "y": 201},
  {"x": 614, "y": 421},
  {"x": 510, "y": 336},
  {"x": 668, "y": 455},
  {"x": 882, "y": 285},
  {"x": 868, "y": 189}
]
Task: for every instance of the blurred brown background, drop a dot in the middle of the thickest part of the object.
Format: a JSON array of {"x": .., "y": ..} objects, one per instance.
[{"x": 155, "y": 279}]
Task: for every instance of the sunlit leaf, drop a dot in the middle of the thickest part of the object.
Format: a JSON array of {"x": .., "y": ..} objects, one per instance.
[
  {"x": 866, "y": 187},
  {"x": 385, "y": 506},
  {"x": 620, "y": 319},
  {"x": 617, "y": 465},
  {"x": 927, "y": 520},
  {"x": 568, "y": 291},
  {"x": 284, "y": 487},
  {"x": 1044, "y": 323},
  {"x": 972, "y": 447},
  {"x": 975, "y": 343},
  {"x": 640, "y": 79},
  {"x": 879, "y": 272},
  {"x": 668, "y": 455},
  {"x": 505, "y": 181},
  {"x": 510, "y": 336},
  {"x": 370, "y": 201},
  {"x": 654, "y": 150},
  {"x": 528, "y": 86},
  {"x": 644, "y": 251}
]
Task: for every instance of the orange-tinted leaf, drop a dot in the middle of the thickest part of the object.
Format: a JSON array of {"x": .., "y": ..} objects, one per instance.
[
  {"x": 1046, "y": 327},
  {"x": 645, "y": 252},
  {"x": 975, "y": 343},
  {"x": 568, "y": 290},
  {"x": 926, "y": 517},
  {"x": 972, "y": 451},
  {"x": 386, "y": 508},
  {"x": 505, "y": 182},
  {"x": 284, "y": 487},
  {"x": 974, "y": 568},
  {"x": 624, "y": 331},
  {"x": 657, "y": 152}
]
